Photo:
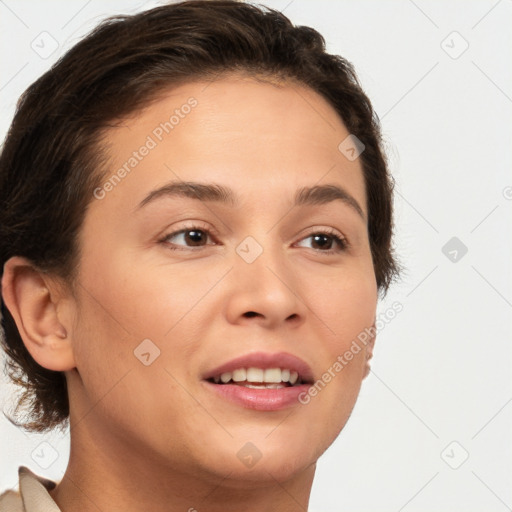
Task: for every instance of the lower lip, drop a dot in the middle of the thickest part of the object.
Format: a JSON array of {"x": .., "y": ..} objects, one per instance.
[{"x": 260, "y": 399}]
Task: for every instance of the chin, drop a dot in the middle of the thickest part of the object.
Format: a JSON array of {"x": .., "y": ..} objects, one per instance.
[{"x": 264, "y": 461}]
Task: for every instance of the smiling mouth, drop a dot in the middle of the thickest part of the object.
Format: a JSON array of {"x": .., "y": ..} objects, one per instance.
[{"x": 259, "y": 378}]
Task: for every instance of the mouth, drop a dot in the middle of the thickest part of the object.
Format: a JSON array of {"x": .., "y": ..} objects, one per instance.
[
  {"x": 260, "y": 381},
  {"x": 260, "y": 378}
]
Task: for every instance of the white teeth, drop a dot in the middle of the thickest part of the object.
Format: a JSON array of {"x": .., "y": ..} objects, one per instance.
[
  {"x": 276, "y": 385},
  {"x": 254, "y": 375},
  {"x": 264, "y": 386},
  {"x": 274, "y": 376},
  {"x": 240, "y": 375},
  {"x": 225, "y": 377}
]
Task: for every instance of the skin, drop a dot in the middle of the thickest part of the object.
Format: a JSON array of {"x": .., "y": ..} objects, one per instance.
[{"x": 153, "y": 437}]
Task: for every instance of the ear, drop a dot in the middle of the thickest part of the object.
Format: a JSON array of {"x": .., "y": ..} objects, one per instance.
[
  {"x": 38, "y": 306},
  {"x": 370, "y": 344}
]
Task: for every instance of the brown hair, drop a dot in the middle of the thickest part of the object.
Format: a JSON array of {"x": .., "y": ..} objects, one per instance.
[{"x": 47, "y": 173}]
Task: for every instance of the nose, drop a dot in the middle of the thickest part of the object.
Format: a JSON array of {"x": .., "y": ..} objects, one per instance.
[{"x": 265, "y": 292}]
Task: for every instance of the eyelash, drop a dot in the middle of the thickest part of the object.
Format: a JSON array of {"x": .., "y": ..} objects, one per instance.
[{"x": 342, "y": 243}]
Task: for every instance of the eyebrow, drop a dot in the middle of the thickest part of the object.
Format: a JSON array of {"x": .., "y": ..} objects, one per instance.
[{"x": 212, "y": 192}]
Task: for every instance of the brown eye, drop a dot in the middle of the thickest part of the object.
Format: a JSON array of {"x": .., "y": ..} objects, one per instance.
[
  {"x": 189, "y": 237},
  {"x": 327, "y": 242}
]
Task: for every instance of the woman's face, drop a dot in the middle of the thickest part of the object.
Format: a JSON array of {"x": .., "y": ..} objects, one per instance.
[{"x": 173, "y": 286}]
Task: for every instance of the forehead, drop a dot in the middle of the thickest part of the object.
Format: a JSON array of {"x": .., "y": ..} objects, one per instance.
[{"x": 235, "y": 130}]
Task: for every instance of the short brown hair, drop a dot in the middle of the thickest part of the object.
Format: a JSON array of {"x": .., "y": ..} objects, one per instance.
[{"x": 47, "y": 174}]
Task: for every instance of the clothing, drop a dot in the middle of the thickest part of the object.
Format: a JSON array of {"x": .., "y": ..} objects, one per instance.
[{"x": 33, "y": 495}]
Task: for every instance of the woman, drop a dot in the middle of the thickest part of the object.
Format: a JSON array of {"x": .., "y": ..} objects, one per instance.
[{"x": 196, "y": 224}]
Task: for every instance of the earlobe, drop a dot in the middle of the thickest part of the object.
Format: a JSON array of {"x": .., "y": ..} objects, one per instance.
[{"x": 33, "y": 298}]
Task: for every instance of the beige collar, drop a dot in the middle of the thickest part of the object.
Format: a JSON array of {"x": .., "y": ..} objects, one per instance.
[{"x": 34, "y": 492}]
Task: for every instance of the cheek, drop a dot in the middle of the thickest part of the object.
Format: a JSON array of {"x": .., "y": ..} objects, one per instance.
[
  {"x": 116, "y": 315},
  {"x": 134, "y": 298},
  {"x": 346, "y": 305},
  {"x": 347, "y": 311},
  {"x": 102, "y": 345},
  {"x": 125, "y": 302}
]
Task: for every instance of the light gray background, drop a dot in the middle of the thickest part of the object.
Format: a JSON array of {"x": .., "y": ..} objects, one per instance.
[{"x": 440, "y": 388}]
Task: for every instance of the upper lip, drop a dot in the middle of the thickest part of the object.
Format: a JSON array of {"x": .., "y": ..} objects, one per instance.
[{"x": 265, "y": 360}]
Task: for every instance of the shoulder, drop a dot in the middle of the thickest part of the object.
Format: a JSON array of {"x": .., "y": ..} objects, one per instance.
[{"x": 33, "y": 495}]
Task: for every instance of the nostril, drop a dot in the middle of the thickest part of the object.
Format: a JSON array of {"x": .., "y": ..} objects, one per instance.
[{"x": 250, "y": 314}]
